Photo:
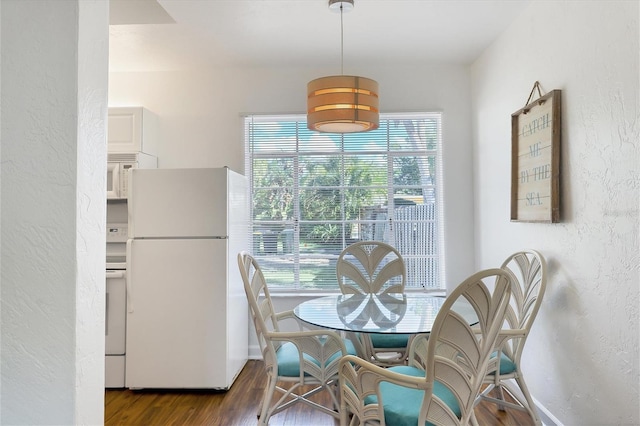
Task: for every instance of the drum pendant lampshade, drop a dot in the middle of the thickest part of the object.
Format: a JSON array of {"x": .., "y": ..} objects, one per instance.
[{"x": 342, "y": 103}]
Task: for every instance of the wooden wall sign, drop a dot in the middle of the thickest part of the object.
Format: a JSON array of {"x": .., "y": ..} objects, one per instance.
[{"x": 535, "y": 159}]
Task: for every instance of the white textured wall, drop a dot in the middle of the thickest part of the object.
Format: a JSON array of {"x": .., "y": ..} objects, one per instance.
[
  {"x": 581, "y": 360},
  {"x": 53, "y": 109},
  {"x": 90, "y": 209},
  {"x": 0, "y": 210}
]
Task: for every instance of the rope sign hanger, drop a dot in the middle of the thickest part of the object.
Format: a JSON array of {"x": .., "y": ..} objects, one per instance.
[{"x": 536, "y": 85}]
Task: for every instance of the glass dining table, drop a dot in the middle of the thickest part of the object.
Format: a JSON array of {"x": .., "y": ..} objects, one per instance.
[{"x": 406, "y": 313}]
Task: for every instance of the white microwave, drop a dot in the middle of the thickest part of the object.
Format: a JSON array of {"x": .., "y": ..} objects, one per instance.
[
  {"x": 118, "y": 180},
  {"x": 118, "y": 166}
]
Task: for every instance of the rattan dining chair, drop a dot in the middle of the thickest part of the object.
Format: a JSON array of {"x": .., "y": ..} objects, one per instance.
[
  {"x": 528, "y": 271},
  {"x": 445, "y": 370},
  {"x": 299, "y": 358},
  {"x": 374, "y": 267}
]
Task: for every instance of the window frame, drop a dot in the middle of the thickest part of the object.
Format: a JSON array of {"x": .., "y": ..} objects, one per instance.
[{"x": 300, "y": 121}]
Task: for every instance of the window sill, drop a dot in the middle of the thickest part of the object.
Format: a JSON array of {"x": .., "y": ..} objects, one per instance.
[{"x": 318, "y": 293}]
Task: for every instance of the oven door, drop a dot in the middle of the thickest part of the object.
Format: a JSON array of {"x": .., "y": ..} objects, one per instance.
[
  {"x": 113, "y": 180},
  {"x": 115, "y": 329},
  {"x": 116, "y": 312}
]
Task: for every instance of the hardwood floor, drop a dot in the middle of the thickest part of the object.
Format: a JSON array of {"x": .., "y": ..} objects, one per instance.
[{"x": 239, "y": 406}]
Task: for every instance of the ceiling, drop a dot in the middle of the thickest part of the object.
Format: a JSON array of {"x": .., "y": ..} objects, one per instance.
[{"x": 159, "y": 35}]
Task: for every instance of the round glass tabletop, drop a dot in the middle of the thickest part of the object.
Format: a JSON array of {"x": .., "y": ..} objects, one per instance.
[{"x": 409, "y": 313}]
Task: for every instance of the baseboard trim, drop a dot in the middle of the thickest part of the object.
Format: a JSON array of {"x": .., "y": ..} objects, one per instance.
[
  {"x": 254, "y": 352},
  {"x": 547, "y": 418}
]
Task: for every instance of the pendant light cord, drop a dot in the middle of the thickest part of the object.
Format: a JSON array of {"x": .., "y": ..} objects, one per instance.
[{"x": 341, "y": 43}]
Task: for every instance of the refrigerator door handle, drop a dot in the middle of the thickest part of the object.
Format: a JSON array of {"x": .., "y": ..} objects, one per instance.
[{"x": 127, "y": 279}]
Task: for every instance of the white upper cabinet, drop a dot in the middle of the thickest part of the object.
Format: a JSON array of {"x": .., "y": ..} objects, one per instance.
[{"x": 132, "y": 129}]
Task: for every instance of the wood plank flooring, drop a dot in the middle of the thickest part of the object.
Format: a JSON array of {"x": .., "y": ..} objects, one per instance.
[{"x": 239, "y": 407}]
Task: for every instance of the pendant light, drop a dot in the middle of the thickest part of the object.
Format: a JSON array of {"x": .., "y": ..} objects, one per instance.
[{"x": 342, "y": 103}]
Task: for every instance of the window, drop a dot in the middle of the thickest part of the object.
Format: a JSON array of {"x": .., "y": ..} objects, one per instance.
[{"x": 312, "y": 194}]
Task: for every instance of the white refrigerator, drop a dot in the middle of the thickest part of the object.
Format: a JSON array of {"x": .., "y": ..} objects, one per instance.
[{"x": 187, "y": 318}]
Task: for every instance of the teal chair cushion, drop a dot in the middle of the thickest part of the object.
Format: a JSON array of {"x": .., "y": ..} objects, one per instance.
[
  {"x": 289, "y": 360},
  {"x": 402, "y": 405},
  {"x": 506, "y": 365},
  {"x": 379, "y": 340}
]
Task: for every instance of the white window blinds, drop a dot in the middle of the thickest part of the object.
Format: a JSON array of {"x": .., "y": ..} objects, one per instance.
[{"x": 314, "y": 193}]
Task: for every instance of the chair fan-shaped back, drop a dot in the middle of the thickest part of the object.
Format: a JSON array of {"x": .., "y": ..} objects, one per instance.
[
  {"x": 457, "y": 353},
  {"x": 529, "y": 271},
  {"x": 370, "y": 267}
]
